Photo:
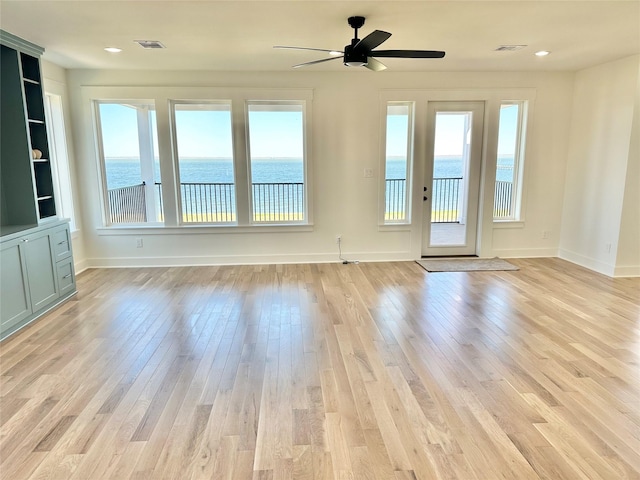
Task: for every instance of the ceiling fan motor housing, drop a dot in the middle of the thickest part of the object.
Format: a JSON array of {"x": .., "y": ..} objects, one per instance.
[{"x": 354, "y": 57}]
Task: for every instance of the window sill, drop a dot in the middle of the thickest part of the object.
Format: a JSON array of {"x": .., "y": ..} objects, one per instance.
[
  {"x": 394, "y": 227},
  {"x": 499, "y": 224},
  {"x": 201, "y": 229}
]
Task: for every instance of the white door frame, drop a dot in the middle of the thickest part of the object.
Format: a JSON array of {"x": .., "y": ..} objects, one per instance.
[{"x": 472, "y": 178}]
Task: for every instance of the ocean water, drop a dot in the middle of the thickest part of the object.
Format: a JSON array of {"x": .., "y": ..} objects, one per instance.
[{"x": 125, "y": 172}]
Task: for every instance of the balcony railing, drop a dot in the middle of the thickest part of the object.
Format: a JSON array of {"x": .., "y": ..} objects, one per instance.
[
  {"x": 445, "y": 200},
  {"x": 395, "y": 199},
  {"x": 278, "y": 202},
  {"x": 284, "y": 202},
  {"x": 127, "y": 204},
  {"x": 216, "y": 202},
  {"x": 502, "y": 200},
  {"x": 208, "y": 202}
]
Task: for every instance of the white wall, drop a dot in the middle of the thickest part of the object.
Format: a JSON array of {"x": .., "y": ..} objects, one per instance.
[
  {"x": 345, "y": 139},
  {"x": 628, "y": 258},
  {"x": 597, "y": 168}
]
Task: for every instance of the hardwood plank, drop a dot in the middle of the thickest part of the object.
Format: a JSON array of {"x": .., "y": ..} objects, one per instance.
[{"x": 328, "y": 371}]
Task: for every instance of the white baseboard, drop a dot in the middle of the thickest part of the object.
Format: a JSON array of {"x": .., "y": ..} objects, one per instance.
[
  {"x": 184, "y": 261},
  {"x": 627, "y": 271},
  {"x": 587, "y": 262},
  {"x": 526, "y": 253},
  {"x": 81, "y": 266}
]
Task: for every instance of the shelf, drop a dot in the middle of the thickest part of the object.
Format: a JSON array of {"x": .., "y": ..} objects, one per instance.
[{"x": 27, "y": 183}]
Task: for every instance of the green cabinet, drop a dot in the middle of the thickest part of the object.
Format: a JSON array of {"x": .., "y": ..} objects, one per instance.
[
  {"x": 36, "y": 274},
  {"x": 41, "y": 270},
  {"x": 15, "y": 305},
  {"x": 36, "y": 262}
]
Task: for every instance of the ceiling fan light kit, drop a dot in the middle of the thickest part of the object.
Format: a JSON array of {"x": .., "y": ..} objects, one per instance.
[{"x": 361, "y": 53}]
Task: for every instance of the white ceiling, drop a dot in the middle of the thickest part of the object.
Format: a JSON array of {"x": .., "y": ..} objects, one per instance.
[{"x": 238, "y": 35}]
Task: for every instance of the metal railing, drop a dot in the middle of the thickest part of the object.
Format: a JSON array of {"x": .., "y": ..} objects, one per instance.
[
  {"x": 284, "y": 201},
  {"x": 502, "y": 205},
  {"x": 208, "y": 202},
  {"x": 127, "y": 204},
  {"x": 278, "y": 202},
  {"x": 395, "y": 199},
  {"x": 445, "y": 200},
  {"x": 216, "y": 202}
]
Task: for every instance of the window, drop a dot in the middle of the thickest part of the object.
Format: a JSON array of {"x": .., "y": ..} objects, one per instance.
[
  {"x": 509, "y": 165},
  {"x": 398, "y": 162},
  {"x": 205, "y": 162},
  {"x": 230, "y": 157},
  {"x": 277, "y": 162},
  {"x": 60, "y": 159},
  {"x": 131, "y": 174}
]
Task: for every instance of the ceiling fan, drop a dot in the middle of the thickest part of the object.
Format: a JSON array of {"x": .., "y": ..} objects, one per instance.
[{"x": 361, "y": 52}]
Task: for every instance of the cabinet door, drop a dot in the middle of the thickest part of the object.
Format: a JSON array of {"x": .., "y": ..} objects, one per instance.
[
  {"x": 15, "y": 303},
  {"x": 41, "y": 269}
]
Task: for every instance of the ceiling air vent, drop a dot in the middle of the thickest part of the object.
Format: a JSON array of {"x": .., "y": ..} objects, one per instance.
[
  {"x": 149, "y": 43},
  {"x": 509, "y": 48}
]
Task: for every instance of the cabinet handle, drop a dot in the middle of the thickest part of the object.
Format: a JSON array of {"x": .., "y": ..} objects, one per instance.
[
  {"x": 60, "y": 243},
  {"x": 66, "y": 276},
  {"x": 25, "y": 240}
]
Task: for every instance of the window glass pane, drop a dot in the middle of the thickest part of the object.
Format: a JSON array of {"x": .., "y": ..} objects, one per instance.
[
  {"x": 397, "y": 162},
  {"x": 205, "y": 159},
  {"x": 128, "y": 155},
  {"x": 277, "y": 168},
  {"x": 508, "y": 161}
]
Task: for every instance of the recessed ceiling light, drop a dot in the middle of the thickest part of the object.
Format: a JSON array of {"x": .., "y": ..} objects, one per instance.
[
  {"x": 113, "y": 49},
  {"x": 542, "y": 53}
]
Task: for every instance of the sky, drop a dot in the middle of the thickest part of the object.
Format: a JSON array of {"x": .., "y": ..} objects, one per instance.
[
  {"x": 274, "y": 134},
  {"x": 203, "y": 133},
  {"x": 450, "y": 133}
]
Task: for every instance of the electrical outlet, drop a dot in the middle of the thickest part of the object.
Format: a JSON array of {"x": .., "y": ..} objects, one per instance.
[
  {"x": 546, "y": 234},
  {"x": 138, "y": 243},
  {"x": 338, "y": 237},
  {"x": 368, "y": 173}
]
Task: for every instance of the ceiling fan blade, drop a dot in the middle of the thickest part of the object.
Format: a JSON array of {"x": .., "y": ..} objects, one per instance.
[
  {"x": 316, "y": 61},
  {"x": 307, "y": 48},
  {"x": 408, "y": 53},
  {"x": 372, "y": 40},
  {"x": 375, "y": 65}
]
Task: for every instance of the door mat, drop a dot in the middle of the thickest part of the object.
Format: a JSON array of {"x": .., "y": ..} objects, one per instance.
[{"x": 465, "y": 264}]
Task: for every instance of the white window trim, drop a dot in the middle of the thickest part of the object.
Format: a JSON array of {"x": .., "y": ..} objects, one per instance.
[
  {"x": 176, "y": 159},
  {"x": 305, "y": 153},
  {"x": 61, "y": 168},
  {"x": 144, "y": 139},
  {"x": 382, "y": 221},
  {"x": 519, "y": 161},
  {"x": 161, "y": 97}
]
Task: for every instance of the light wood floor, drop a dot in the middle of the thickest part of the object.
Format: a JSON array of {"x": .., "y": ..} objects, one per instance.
[{"x": 371, "y": 371}]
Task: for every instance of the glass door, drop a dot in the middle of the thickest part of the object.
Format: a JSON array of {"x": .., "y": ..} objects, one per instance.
[{"x": 452, "y": 183}]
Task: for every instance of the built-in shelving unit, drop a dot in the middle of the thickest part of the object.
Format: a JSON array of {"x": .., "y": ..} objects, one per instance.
[
  {"x": 35, "y": 246},
  {"x": 34, "y": 103},
  {"x": 27, "y": 197}
]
